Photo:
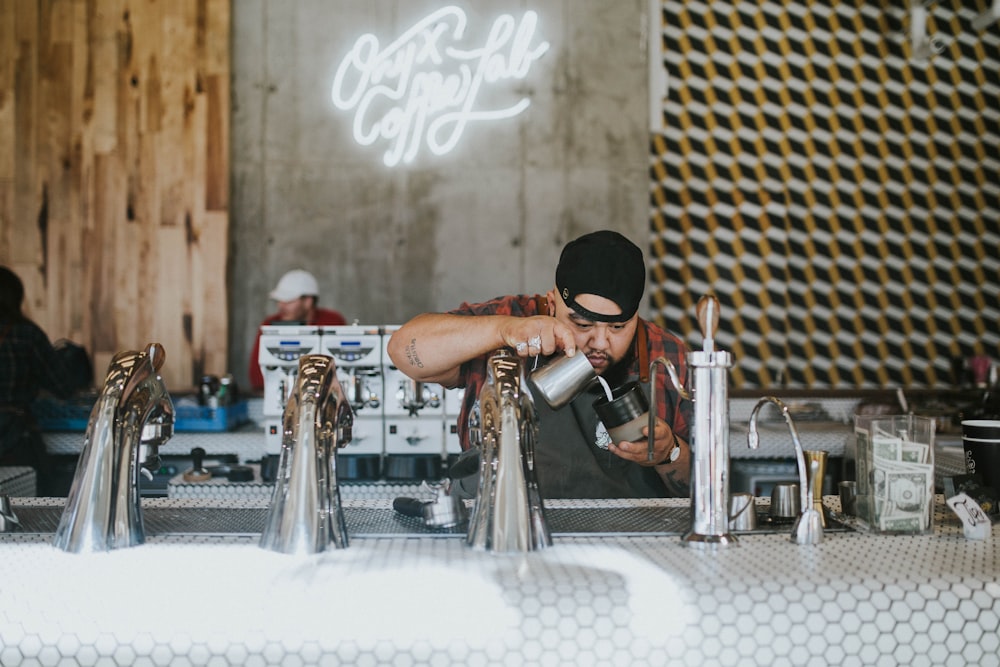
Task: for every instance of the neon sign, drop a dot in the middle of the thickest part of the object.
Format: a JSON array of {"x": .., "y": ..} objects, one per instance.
[{"x": 422, "y": 89}]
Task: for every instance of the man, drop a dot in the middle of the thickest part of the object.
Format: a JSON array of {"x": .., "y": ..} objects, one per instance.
[
  {"x": 592, "y": 310},
  {"x": 30, "y": 364},
  {"x": 297, "y": 294}
]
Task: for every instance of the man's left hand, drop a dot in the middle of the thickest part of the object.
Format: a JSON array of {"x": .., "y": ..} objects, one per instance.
[{"x": 638, "y": 452}]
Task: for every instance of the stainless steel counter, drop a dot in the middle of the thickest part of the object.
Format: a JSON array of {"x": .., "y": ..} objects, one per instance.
[{"x": 593, "y": 598}]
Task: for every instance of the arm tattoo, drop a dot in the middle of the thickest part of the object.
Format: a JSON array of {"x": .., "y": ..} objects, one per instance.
[
  {"x": 411, "y": 354},
  {"x": 676, "y": 488}
]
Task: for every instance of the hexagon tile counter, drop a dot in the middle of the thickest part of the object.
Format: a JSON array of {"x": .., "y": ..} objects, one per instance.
[{"x": 426, "y": 599}]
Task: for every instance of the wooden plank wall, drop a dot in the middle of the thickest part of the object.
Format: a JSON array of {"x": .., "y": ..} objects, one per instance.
[{"x": 114, "y": 174}]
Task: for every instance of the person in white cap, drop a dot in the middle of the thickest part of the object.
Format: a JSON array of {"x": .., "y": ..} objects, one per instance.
[{"x": 297, "y": 295}]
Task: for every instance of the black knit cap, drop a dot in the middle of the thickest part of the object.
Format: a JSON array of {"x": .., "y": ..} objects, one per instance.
[{"x": 604, "y": 263}]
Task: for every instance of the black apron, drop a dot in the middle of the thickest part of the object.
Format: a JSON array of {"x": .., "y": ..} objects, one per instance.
[{"x": 571, "y": 463}]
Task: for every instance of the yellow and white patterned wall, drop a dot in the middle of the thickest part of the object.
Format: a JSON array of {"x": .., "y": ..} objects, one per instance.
[{"x": 838, "y": 190}]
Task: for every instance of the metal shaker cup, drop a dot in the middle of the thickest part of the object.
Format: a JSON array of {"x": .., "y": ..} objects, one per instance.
[{"x": 562, "y": 379}]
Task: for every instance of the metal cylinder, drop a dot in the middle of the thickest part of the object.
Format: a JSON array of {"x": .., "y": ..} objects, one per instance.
[{"x": 710, "y": 450}]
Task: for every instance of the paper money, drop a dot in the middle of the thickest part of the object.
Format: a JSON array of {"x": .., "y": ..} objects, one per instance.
[{"x": 902, "y": 482}]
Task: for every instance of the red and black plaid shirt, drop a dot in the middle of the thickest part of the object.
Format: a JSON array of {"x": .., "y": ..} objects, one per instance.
[{"x": 660, "y": 343}]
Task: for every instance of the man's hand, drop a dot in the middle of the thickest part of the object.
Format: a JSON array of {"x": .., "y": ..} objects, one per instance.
[
  {"x": 676, "y": 474},
  {"x": 638, "y": 452},
  {"x": 538, "y": 335}
]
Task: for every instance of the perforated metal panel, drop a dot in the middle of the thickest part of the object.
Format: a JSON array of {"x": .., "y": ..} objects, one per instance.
[
  {"x": 841, "y": 197},
  {"x": 375, "y": 519}
]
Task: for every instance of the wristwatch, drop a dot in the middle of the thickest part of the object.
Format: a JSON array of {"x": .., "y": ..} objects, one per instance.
[{"x": 675, "y": 452}]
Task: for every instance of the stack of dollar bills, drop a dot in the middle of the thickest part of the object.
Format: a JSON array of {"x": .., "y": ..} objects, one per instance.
[{"x": 900, "y": 471}]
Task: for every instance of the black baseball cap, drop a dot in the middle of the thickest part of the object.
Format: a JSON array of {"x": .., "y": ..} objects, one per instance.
[{"x": 604, "y": 263}]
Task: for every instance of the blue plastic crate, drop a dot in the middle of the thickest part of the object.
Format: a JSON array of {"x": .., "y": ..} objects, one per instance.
[
  {"x": 189, "y": 418},
  {"x": 55, "y": 415},
  {"x": 73, "y": 415}
]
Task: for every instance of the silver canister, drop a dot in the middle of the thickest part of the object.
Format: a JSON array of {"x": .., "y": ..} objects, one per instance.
[
  {"x": 742, "y": 512},
  {"x": 786, "y": 502},
  {"x": 563, "y": 379}
]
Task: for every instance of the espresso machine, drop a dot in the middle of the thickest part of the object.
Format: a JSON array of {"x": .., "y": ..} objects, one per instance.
[
  {"x": 358, "y": 350},
  {"x": 414, "y": 423},
  {"x": 281, "y": 347},
  {"x": 452, "y": 407}
]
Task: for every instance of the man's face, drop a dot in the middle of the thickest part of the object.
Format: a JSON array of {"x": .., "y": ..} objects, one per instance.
[
  {"x": 295, "y": 310},
  {"x": 604, "y": 343}
]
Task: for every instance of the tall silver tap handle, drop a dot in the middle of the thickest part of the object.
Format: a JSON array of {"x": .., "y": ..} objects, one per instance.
[
  {"x": 157, "y": 355},
  {"x": 708, "y": 320}
]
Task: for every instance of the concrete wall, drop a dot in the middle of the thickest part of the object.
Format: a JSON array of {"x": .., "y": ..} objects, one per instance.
[{"x": 488, "y": 218}]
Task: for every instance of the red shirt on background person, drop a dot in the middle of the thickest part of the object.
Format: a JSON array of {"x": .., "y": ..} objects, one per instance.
[{"x": 296, "y": 294}]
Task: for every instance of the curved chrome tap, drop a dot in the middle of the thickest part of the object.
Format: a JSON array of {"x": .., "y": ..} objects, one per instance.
[
  {"x": 306, "y": 515},
  {"x": 508, "y": 514},
  {"x": 678, "y": 386},
  {"x": 132, "y": 418},
  {"x": 808, "y": 528}
]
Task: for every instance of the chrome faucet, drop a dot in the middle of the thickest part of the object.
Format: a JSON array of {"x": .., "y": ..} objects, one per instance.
[
  {"x": 808, "y": 527},
  {"x": 132, "y": 418},
  {"x": 508, "y": 514},
  {"x": 306, "y": 515}
]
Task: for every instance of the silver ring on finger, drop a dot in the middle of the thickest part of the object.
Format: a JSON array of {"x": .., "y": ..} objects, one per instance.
[
  {"x": 535, "y": 341},
  {"x": 521, "y": 347}
]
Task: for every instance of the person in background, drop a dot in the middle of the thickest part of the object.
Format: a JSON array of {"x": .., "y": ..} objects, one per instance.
[
  {"x": 297, "y": 295},
  {"x": 591, "y": 310},
  {"x": 30, "y": 364}
]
